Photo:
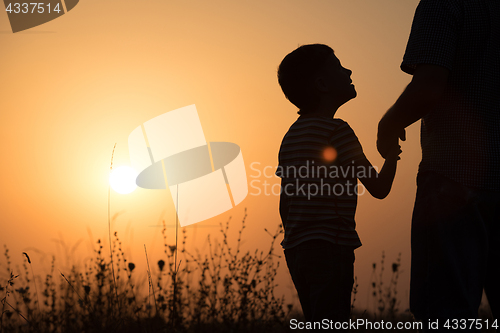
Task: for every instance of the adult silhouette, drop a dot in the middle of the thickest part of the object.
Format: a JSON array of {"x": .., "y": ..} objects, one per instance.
[{"x": 453, "y": 53}]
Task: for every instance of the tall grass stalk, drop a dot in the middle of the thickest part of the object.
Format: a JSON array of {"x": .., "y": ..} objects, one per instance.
[
  {"x": 176, "y": 269},
  {"x": 76, "y": 291},
  {"x": 9, "y": 283},
  {"x": 150, "y": 280},
  {"x": 109, "y": 229},
  {"x": 34, "y": 281}
]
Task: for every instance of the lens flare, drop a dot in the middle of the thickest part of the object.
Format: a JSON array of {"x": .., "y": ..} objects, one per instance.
[{"x": 329, "y": 154}]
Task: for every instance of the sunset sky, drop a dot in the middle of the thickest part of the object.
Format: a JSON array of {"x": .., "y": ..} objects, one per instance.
[{"x": 73, "y": 87}]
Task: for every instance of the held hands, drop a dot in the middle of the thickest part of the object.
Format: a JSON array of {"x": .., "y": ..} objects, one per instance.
[
  {"x": 388, "y": 143},
  {"x": 393, "y": 153}
]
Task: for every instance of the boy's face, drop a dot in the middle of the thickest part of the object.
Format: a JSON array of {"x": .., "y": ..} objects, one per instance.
[{"x": 337, "y": 81}]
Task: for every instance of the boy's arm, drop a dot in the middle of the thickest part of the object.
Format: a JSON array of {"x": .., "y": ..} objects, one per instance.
[
  {"x": 345, "y": 141},
  {"x": 379, "y": 184}
]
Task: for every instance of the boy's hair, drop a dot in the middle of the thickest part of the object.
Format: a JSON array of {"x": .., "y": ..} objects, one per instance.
[{"x": 297, "y": 72}]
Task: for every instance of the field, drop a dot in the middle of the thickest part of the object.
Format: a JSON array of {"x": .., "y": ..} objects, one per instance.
[{"x": 222, "y": 291}]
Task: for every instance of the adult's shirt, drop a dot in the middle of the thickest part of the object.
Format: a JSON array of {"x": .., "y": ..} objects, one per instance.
[{"x": 460, "y": 136}]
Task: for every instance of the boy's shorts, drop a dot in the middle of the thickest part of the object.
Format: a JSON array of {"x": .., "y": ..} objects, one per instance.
[{"x": 323, "y": 274}]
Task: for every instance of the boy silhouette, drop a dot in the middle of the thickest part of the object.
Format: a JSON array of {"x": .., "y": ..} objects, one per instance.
[{"x": 320, "y": 160}]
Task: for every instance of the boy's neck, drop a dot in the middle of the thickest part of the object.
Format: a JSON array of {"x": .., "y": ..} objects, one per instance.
[{"x": 323, "y": 111}]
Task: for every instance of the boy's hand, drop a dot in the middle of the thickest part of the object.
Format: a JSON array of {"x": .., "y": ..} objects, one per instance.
[
  {"x": 393, "y": 154},
  {"x": 388, "y": 142}
]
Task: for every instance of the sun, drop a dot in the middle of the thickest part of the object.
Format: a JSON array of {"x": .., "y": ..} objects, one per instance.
[{"x": 122, "y": 179}]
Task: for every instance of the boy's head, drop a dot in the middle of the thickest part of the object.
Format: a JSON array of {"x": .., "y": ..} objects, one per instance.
[{"x": 311, "y": 72}]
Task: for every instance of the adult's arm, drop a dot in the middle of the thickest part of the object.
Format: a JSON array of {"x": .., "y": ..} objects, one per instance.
[{"x": 423, "y": 92}]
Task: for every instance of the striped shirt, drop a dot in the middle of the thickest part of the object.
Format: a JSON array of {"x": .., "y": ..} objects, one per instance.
[
  {"x": 460, "y": 136},
  {"x": 318, "y": 165}
]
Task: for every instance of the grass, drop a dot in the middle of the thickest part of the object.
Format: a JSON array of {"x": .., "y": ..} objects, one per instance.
[
  {"x": 224, "y": 290},
  {"x": 386, "y": 304}
]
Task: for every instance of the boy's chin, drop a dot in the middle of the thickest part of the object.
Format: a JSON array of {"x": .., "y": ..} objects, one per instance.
[
  {"x": 348, "y": 97},
  {"x": 352, "y": 95},
  {"x": 354, "y": 92}
]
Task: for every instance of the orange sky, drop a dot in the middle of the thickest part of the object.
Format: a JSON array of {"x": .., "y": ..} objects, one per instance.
[{"x": 71, "y": 88}]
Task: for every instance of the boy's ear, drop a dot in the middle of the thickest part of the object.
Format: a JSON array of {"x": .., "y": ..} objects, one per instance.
[{"x": 320, "y": 84}]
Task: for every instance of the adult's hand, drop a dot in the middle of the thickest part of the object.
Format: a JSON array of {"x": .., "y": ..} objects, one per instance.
[{"x": 388, "y": 138}]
